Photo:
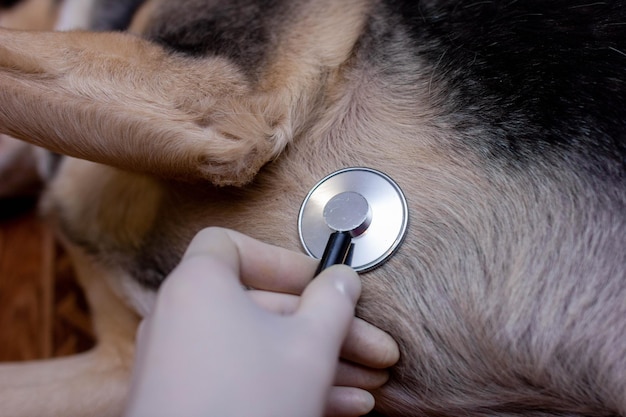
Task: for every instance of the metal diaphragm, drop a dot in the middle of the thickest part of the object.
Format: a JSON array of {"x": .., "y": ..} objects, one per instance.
[{"x": 362, "y": 201}]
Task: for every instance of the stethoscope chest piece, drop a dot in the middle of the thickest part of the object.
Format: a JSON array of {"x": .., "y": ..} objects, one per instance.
[{"x": 363, "y": 202}]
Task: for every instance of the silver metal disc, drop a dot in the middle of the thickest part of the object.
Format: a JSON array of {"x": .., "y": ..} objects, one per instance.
[
  {"x": 348, "y": 212},
  {"x": 388, "y": 215}
]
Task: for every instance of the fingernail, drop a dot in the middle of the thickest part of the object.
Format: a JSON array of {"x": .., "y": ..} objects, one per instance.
[
  {"x": 367, "y": 402},
  {"x": 347, "y": 282}
]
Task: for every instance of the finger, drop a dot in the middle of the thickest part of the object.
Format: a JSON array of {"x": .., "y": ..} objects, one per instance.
[
  {"x": 261, "y": 266},
  {"x": 351, "y": 375},
  {"x": 348, "y": 402},
  {"x": 201, "y": 285},
  {"x": 215, "y": 242},
  {"x": 369, "y": 346},
  {"x": 365, "y": 345},
  {"x": 279, "y": 303},
  {"x": 327, "y": 305}
]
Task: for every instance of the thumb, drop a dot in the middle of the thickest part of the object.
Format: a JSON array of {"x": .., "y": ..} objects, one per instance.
[{"x": 328, "y": 305}]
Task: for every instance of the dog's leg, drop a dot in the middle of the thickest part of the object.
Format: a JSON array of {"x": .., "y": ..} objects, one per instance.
[
  {"x": 90, "y": 384},
  {"x": 123, "y": 101},
  {"x": 115, "y": 99}
]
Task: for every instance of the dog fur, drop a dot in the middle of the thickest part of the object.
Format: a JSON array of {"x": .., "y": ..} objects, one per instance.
[{"x": 503, "y": 123}]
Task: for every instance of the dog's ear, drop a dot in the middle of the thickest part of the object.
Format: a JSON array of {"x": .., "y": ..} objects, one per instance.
[{"x": 119, "y": 100}]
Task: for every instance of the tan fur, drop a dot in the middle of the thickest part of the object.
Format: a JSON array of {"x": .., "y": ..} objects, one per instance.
[
  {"x": 137, "y": 200},
  {"x": 173, "y": 110},
  {"x": 203, "y": 117}
]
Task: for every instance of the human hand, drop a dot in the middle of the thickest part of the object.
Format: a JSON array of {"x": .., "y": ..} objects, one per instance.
[{"x": 219, "y": 350}]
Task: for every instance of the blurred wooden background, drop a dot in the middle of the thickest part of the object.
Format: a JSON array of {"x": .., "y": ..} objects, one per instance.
[{"x": 43, "y": 312}]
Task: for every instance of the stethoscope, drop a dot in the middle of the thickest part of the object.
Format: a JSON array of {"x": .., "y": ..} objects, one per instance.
[{"x": 355, "y": 216}]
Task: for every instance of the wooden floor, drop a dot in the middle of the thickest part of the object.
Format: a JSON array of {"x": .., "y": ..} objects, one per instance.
[{"x": 42, "y": 310}]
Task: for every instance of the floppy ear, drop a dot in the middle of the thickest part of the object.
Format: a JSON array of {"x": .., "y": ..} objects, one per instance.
[{"x": 119, "y": 100}]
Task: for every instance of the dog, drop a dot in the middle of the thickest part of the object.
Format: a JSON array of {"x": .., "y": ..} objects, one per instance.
[{"x": 504, "y": 124}]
